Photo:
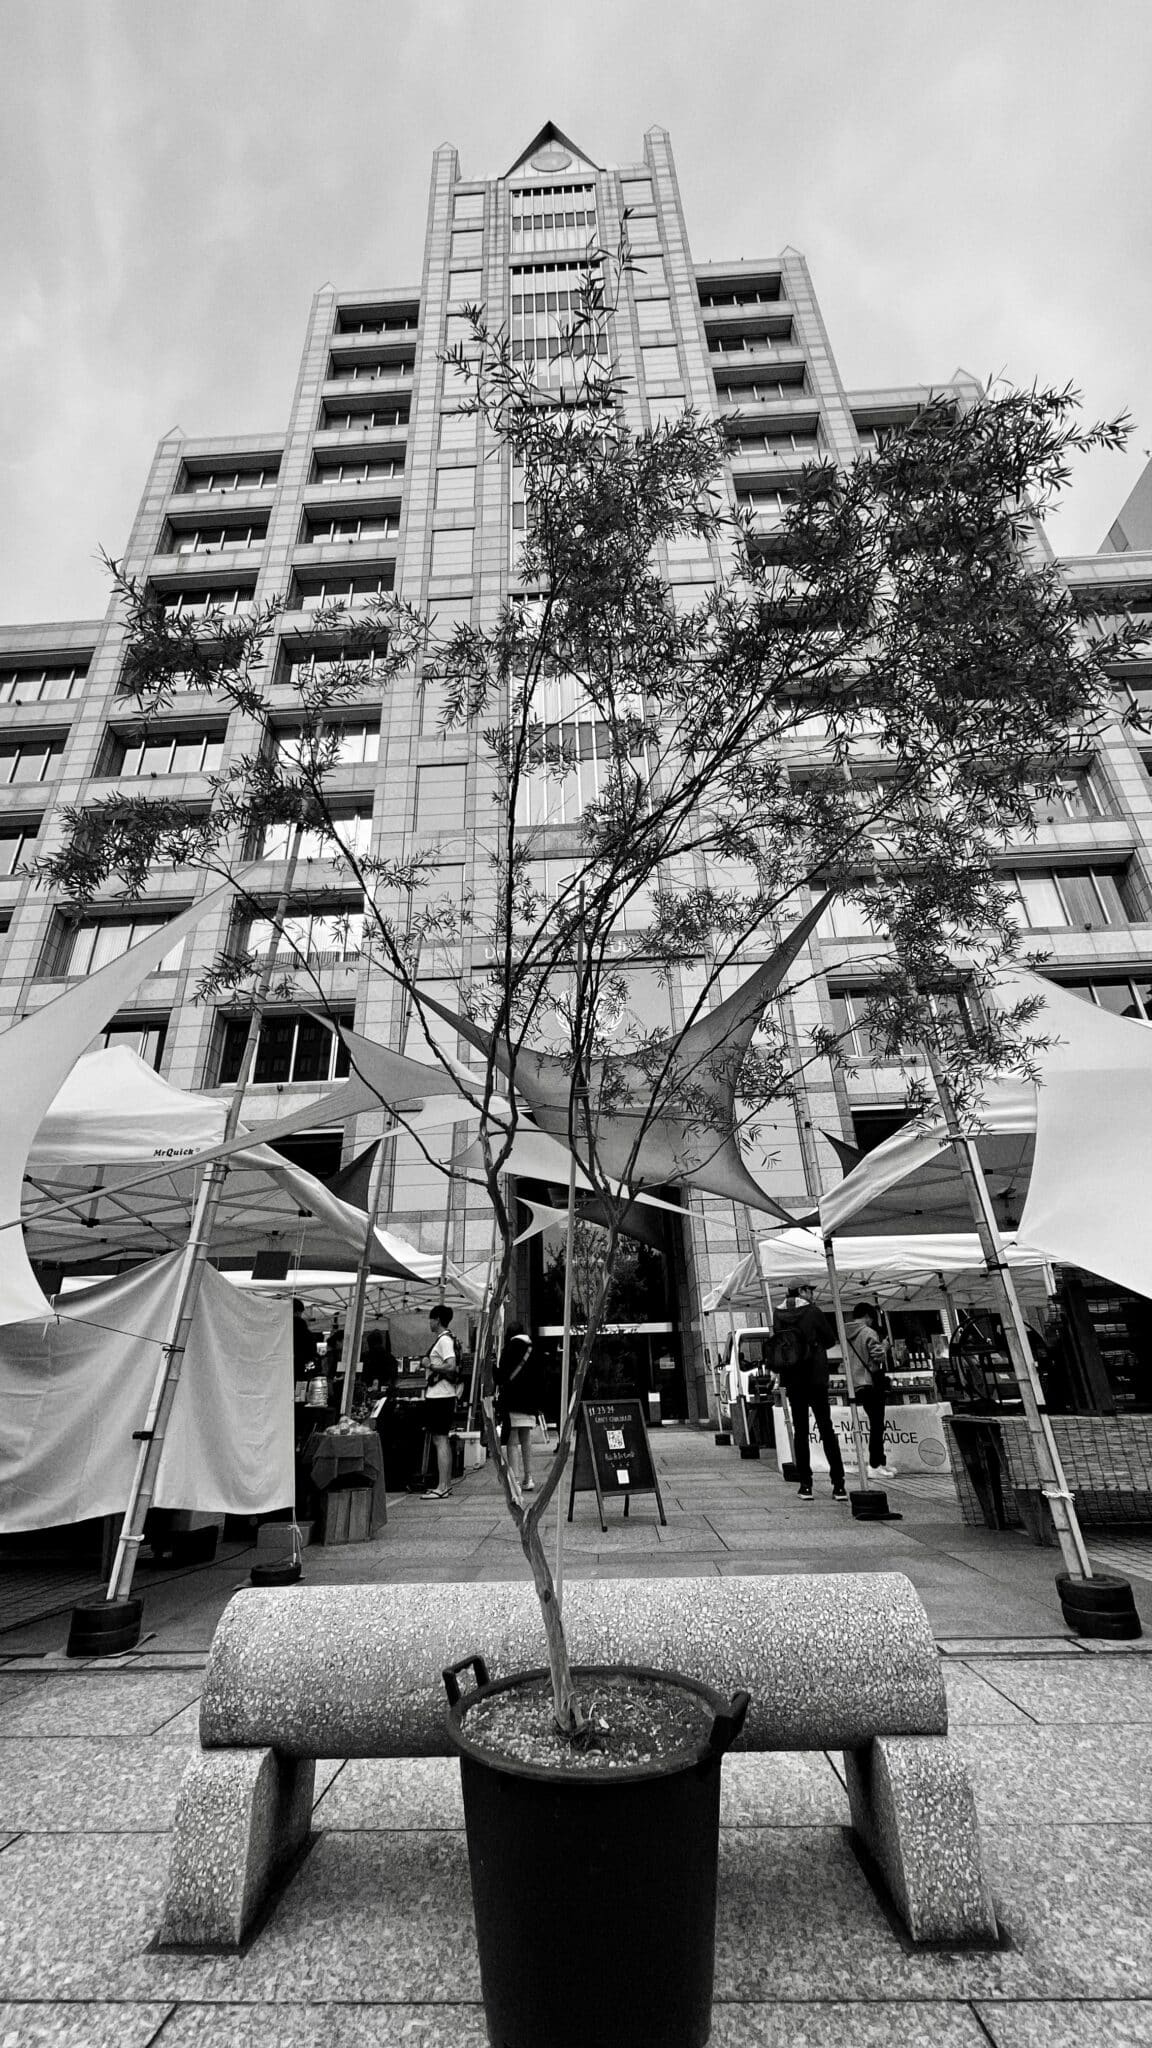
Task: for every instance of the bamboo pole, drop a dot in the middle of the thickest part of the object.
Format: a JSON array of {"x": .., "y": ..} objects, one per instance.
[
  {"x": 191, "y": 1276},
  {"x": 1053, "y": 1483},
  {"x": 354, "y": 1322}
]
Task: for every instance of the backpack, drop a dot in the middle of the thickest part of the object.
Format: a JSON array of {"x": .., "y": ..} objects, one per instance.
[{"x": 790, "y": 1350}]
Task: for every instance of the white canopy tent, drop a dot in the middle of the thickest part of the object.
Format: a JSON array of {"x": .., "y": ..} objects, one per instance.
[
  {"x": 112, "y": 1175},
  {"x": 899, "y": 1271},
  {"x": 1070, "y": 1161}
]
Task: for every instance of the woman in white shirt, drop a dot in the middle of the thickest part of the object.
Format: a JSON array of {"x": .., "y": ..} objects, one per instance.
[{"x": 440, "y": 1398}]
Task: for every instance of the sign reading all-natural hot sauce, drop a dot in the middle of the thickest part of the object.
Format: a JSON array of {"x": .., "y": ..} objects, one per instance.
[{"x": 613, "y": 1455}]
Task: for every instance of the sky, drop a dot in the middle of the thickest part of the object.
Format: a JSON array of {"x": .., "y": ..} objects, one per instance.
[{"x": 968, "y": 182}]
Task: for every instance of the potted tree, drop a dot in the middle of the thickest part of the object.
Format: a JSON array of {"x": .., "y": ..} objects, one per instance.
[{"x": 671, "y": 799}]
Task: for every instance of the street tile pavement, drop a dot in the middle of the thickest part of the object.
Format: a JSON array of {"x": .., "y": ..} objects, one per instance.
[{"x": 371, "y": 1942}]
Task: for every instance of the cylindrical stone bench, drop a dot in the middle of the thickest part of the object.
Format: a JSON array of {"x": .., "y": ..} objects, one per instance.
[{"x": 840, "y": 1662}]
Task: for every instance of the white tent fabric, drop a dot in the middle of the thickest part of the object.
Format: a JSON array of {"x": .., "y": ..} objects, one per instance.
[
  {"x": 115, "y": 1109},
  {"x": 39, "y": 1054},
  {"x": 887, "y": 1268},
  {"x": 1077, "y": 1151},
  {"x": 72, "y": 1391}
]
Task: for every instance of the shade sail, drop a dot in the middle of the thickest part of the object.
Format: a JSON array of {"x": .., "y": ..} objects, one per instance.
[
  {"x": 702, "y": 1151},
  {"x": 39, "y": 1054},
  {"x": 890, "y": 1268},
  {"x": 73, "y": 1390}
]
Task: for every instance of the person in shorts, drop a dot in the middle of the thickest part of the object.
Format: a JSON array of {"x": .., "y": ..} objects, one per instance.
[{"x": 440, "y": 1396}]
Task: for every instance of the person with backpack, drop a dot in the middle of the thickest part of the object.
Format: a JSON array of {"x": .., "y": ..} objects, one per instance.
[
  {"x": 870, "y": 1354},
  {"x": 801, "y": 1334},
  {"x": 440, "y": 1397}
]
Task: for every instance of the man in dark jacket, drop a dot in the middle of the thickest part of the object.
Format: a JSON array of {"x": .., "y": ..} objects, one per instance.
[{"x": 801, "y": 1334}]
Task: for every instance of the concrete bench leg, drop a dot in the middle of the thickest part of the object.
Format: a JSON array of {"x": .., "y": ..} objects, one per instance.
[
  {"x": 242, "y": 1814},
  {"x": 913, "y": 1809}
]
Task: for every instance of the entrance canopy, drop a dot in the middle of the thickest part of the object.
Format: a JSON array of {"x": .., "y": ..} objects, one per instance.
[{"x": 897, "y": 1270}]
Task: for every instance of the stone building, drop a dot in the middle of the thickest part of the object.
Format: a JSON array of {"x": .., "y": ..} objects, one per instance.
[{"x": 377, "y": 481}]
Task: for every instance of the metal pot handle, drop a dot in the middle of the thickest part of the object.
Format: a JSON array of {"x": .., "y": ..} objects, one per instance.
[
  {"x": 728, "y": 1723},
  {"x": 476, "y": 1664}
]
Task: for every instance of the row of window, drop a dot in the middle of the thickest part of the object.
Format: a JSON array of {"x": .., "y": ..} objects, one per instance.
[
  {"x": 42, "y": 682},
  {"x": 372, "y": 370},
  {"x": 340, "y": 416},
  {"x": 378, "y": 320},
  {"x": 228, "y": 477},
  {"x": 1126, "y": 997},
  {"x": 764, "y": 291},
  {"x": 1047, "y": 899}
]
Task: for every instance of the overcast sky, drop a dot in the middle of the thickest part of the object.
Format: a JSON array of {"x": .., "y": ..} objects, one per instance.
[{"x": 969, "y": 182}]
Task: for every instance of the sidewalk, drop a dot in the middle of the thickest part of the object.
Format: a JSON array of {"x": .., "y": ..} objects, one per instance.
[{"x": 372, "y": 1941}]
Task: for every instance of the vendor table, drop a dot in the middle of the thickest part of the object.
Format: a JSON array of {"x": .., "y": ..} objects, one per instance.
[{"x": 347, "y": 1459}]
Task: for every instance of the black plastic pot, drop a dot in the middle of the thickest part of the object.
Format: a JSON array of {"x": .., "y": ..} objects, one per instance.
[
  {"x": 286, "y": 1573},
  {"x": 594, "y": 1893},
  {"x": 105, "y": 1628},
  {"x": 1101, "y": 1606}
]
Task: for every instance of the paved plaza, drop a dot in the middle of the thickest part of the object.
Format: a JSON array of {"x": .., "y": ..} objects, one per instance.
[{"x": 372, "y": 1940}]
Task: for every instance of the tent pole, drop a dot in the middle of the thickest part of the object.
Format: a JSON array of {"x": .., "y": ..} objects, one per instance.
[
  {"x": 191, "y": 1274},
  {"x": 846, "y": 1355},
  {"x": 767, "y": 1294},
  {"x": 1054, "y": 1484},
  {"x": 354, "y": 1326}
]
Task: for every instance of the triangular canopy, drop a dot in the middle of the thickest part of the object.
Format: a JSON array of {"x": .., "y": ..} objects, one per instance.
[{"x": 702, "y": 1151}]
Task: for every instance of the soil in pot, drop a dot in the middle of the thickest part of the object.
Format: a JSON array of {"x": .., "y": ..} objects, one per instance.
[{"x": 594, "y": 1865}]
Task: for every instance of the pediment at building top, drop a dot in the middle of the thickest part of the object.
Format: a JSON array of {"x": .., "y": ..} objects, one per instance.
[{"x": 551, "y": 154}]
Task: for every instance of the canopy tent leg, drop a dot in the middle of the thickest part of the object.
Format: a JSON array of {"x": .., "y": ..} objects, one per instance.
[
  {"x": 192, "y": 1273},
  {"x": 846, "y": 1355},
  {"x": 1053, "y": 1482},
  {"x": 767, "y": 1293}
]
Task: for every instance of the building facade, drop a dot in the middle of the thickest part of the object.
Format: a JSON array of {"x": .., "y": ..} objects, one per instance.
[{"x": 379, "y": 481}]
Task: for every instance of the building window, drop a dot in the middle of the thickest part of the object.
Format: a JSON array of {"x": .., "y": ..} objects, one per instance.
[
  {"x": 552, "y": 217},
  {"x": 353, "y": 827},
  {"x": 1083, "y": 899},
  {"x": 82, "y": 948},
  {"x": 212, "y": 540},
  {"x": 768, "y": 506},
  {"x": 341, "y": 416},
  {"x": 763, "y": 291},
  {"x": 33, "y": 759},
  {"x": 546, "y": 298},
  {"x": 181, "y": 752},
  {"x": 228, "y": 598},
  {"x": 316, "y": 671},
  {"x": 389, "y": 371},
  {"x": 871, "y": 1127},
  {"x": 849, "y": 1007},
  {"x": 322, "y": 528},
  {"x": 316, "y": 593},
  {"x": 144, "y": 1036},
  {"x": 42, "y": 682},
  {"x": 291, "y": 1047},
  {"x": 320, "y": 938},
  {"x": 360, "y": 469},
  {"x": 1126, "y": 998},
  {"x": 556, "y": 791},
  {"x": 1069, "y": 794},
  {"x": 18, "y": 838},
  {"x": 378, "y": 320},
  {"x": 357, "y": 743},
  {"x": 210, "y": 482}
]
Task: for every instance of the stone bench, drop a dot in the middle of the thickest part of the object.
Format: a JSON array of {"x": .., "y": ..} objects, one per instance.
[{"x": 840, "y": 1662}]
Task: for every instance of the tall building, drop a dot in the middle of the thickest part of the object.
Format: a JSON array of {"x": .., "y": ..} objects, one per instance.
[{"x": 376, "y": 482}]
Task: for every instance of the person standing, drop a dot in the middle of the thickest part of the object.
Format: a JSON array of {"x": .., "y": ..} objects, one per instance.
[
  {"x": 871, "y": 1357},
  {"x": 304, "y": 1346},
  {"x": 440, "y": 1398},
  {"x": 518, "y": 1397},
  {"x": 801, "y": 1334}
]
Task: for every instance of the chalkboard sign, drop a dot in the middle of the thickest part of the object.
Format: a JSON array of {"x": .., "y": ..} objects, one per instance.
[{"x": 613, "y": 1455}]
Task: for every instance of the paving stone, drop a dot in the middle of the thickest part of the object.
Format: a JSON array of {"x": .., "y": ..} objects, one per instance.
[
  {"x": 103, "y": 1703},
  {"x": 79, "y": 2025},
  {"x": 781, "y": 1791},
  {"x": 327, "y": 2026},
  {"x": 872, "y": 2024},
  {"x": 1075, "y": 1691},
  {"x": 88, "y": 1785},
  {"x": 1060, "y": 1772},
  {"x": 418, "y": 1792},
  {"x": 1072, "y": 2023},
  {"x": 976, "y": 1699}
]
